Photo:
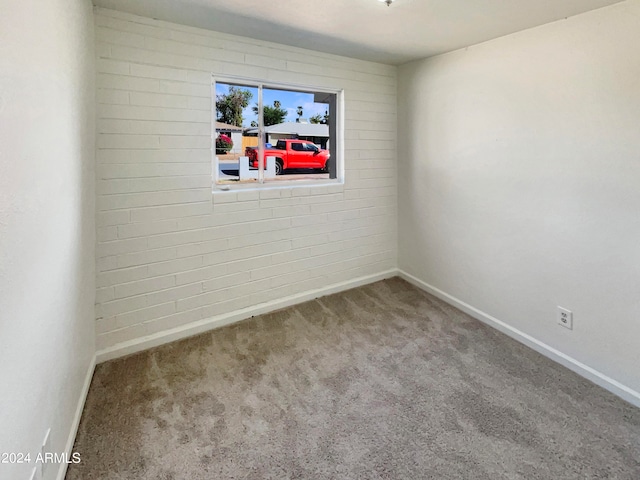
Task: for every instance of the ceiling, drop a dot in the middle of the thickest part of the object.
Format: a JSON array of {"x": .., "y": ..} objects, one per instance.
[{"x": 366, "y": 29}]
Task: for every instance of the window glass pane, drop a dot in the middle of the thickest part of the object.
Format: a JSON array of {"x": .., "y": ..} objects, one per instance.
[
  {"x": 234, "y": 114},
  {"x": 296, "y": 121}
]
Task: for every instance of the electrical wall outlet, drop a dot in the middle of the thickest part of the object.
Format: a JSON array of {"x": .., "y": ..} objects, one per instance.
[
  {"x": 565, "y": 318},
  {"x": 46, "y": 448}
]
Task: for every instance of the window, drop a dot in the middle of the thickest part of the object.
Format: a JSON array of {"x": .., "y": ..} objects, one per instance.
[{"x": 275, "y": 134}]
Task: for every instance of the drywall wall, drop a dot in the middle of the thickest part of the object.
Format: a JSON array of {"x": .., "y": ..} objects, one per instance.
[
  {"x": 172, "y": 258},
  {"x": 519, "y": 166},
  {"x": 47, "y": 222}
]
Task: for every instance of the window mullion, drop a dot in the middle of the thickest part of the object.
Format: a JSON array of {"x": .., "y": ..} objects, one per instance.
[{"x": 261, "y": 144}]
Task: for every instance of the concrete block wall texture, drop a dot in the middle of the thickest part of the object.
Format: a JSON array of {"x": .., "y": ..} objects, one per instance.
[{"x": 170, "y": 253}]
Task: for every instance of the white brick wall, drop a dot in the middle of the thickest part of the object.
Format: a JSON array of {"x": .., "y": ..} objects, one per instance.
[{"x": 171, "y": 253}]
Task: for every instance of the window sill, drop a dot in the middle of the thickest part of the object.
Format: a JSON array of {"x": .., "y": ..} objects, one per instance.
[{"x": 221, "y": 189}]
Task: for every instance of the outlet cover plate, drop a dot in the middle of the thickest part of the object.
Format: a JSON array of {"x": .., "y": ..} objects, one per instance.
[
  {"x": 565, "y": 318},
  {"x": 46, "y": 448}
]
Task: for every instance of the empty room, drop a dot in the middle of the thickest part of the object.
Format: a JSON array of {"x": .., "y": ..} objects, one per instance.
[{"x": 375, "y": 239}]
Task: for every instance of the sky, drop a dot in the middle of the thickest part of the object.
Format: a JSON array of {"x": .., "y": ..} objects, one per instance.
[{"x": 288, "y": 100}]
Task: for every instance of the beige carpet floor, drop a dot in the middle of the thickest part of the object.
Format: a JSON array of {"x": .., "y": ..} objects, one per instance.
[{"x": 379, "y": 382}]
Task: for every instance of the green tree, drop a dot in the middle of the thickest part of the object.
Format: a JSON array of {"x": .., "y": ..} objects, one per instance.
[
  {"x": 324, "y": 120},
  {"x": 272, "y": 114},
  {"x": 229, "y": 106}
]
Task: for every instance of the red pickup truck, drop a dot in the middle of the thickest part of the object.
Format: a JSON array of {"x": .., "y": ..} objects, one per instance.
[{"x": 292, "y": 153}]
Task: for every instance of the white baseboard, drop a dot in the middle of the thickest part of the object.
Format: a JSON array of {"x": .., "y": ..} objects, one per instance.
[
  {"x": 62, "y": 471},
  {"x": 580, "y": 368},
  {"x": 194, "y": 328}
]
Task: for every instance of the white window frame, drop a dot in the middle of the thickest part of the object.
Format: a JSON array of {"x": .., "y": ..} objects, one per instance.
[{"x": 273, "y": 184}]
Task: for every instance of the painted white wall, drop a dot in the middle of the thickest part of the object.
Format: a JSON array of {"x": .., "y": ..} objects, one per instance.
[
  {"x": 47, "y": 221},
  {"x": 172, "y": 256},
  {"x": 519, "y": 167}
]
